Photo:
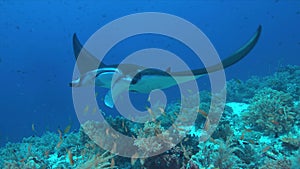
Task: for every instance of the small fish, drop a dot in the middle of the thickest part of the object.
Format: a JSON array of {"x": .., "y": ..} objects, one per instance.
[
  {"x": 134, "y": 157},
  {"x": 33, "y": 127},
  {"x": 22, "y": 160},
  {"x": 185, "y": 154},
  {"x": 242, "y": 136},
  {"x": 280, "y": 111},
  {"x": 266, "y": 149},
  {"x": 107, "y": 131},
  {"x": 46, "y": 153},
  {"x": 114, "y": 135},
  {"x": 244, "y": 132},
  {"x": 59, "y": 144},
  {"x": 114, "y": 148},
  {"x": 177, "y": 128},
  {"x": 190, "y": 91},
  {"x": 162, "y": 111},
  {"x": 149, "y": 110},
  {"x": 86, "y": 109},
  {"x": 203, "y": 113},
  {"x": 176, "y": 114},
  {"x": 112, "y": 163},
  {"x": 60, "y": 139},
  {"x": 123, "y": 124},
  {"x": 207, "y": 125},
  {"x": 70, "y": 157},
  {"x": 94, "y": 110},
  {"x": 29, "y": 148},
  {"x": 271, "y": 155},
  {"x": 151, "y": 113},
  {"x": 275, "y": 122},
  {"x": 60, "y": 134},
  {"x": 67, "y": 129},
  {"x": 248, "y": 130},
  {"x": 251, "y": 141}
]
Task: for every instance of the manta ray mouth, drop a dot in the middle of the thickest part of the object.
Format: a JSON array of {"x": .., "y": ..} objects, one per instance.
[
  {"x": 100, "y": 77},
  {"x": 75, "y": 83}
]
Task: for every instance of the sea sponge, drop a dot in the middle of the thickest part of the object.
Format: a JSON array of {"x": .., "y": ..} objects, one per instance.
[{"x": 271, "y": 112}]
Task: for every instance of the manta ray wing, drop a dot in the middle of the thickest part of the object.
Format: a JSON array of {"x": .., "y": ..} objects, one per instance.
[
  {"x": 88, "y": 61},
  {"x": 149, "y": 79},
  {"x": 84, "y": 59},
  {"x": 232, "y": 59}
]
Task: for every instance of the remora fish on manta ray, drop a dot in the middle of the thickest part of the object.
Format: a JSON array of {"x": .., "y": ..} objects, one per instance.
[{"x": 139, "y": 78}]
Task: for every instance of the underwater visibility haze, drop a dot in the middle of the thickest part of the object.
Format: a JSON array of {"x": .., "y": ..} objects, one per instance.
[{"x": 150, "y": 84}]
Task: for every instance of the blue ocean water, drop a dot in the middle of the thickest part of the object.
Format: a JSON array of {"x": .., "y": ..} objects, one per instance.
[{"x": 37, "y": 60}]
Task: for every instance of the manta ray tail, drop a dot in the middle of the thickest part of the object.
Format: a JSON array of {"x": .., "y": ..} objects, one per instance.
[{"x": 243, "y": 51}]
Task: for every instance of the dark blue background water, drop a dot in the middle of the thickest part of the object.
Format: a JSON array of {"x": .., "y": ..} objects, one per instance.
[{"x": 36, "y": 55}]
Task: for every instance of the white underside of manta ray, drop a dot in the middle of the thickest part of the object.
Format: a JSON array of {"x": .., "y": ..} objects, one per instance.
[{"x": 141, "y": 81}]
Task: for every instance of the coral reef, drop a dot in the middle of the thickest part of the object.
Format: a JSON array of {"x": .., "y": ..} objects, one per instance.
[
  {"x": 271, "y": 111},
  {"x": 98, "y": 161},
  {"x": 148, "y": 143},
  {"x": 46, "y": 152},
  {"x": 286, "y": 79},
  {"x": 218, "y": 155},
  {"x": 280, "y": 164},
  {"x": 261, "y": 130}
]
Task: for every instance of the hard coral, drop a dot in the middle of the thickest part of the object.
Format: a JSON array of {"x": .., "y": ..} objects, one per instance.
[
  {"x": 271, "y": 111},
  {"x": 286, "y": 79},
  {"x": 220, "y": 155},
  {"x": 147, "y": 140},
  {"x": 290, "y": 142},
  {"x": 98, "y": 162},
  {"x": 283, "y": 163}
]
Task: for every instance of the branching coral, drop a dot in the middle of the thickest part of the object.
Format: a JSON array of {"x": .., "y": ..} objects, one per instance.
[
  {"x": 239, "y": 91},
  {"x": 286, "y": 79},
  {"x": 225, "y": 158},
  {"x": 30, "y": 153},
  {"x": 283, "y": 163},
  {"x": 220, "y": 155},
  {"x": 98, "y": 162},
  {"x": 271, "y": 111},
  {"x": 290, "y": 142},
  {"x": 153, "y": 138}
]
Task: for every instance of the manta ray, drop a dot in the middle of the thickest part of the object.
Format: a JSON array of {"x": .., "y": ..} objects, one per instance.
[{"x": 139, "y": 78}]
